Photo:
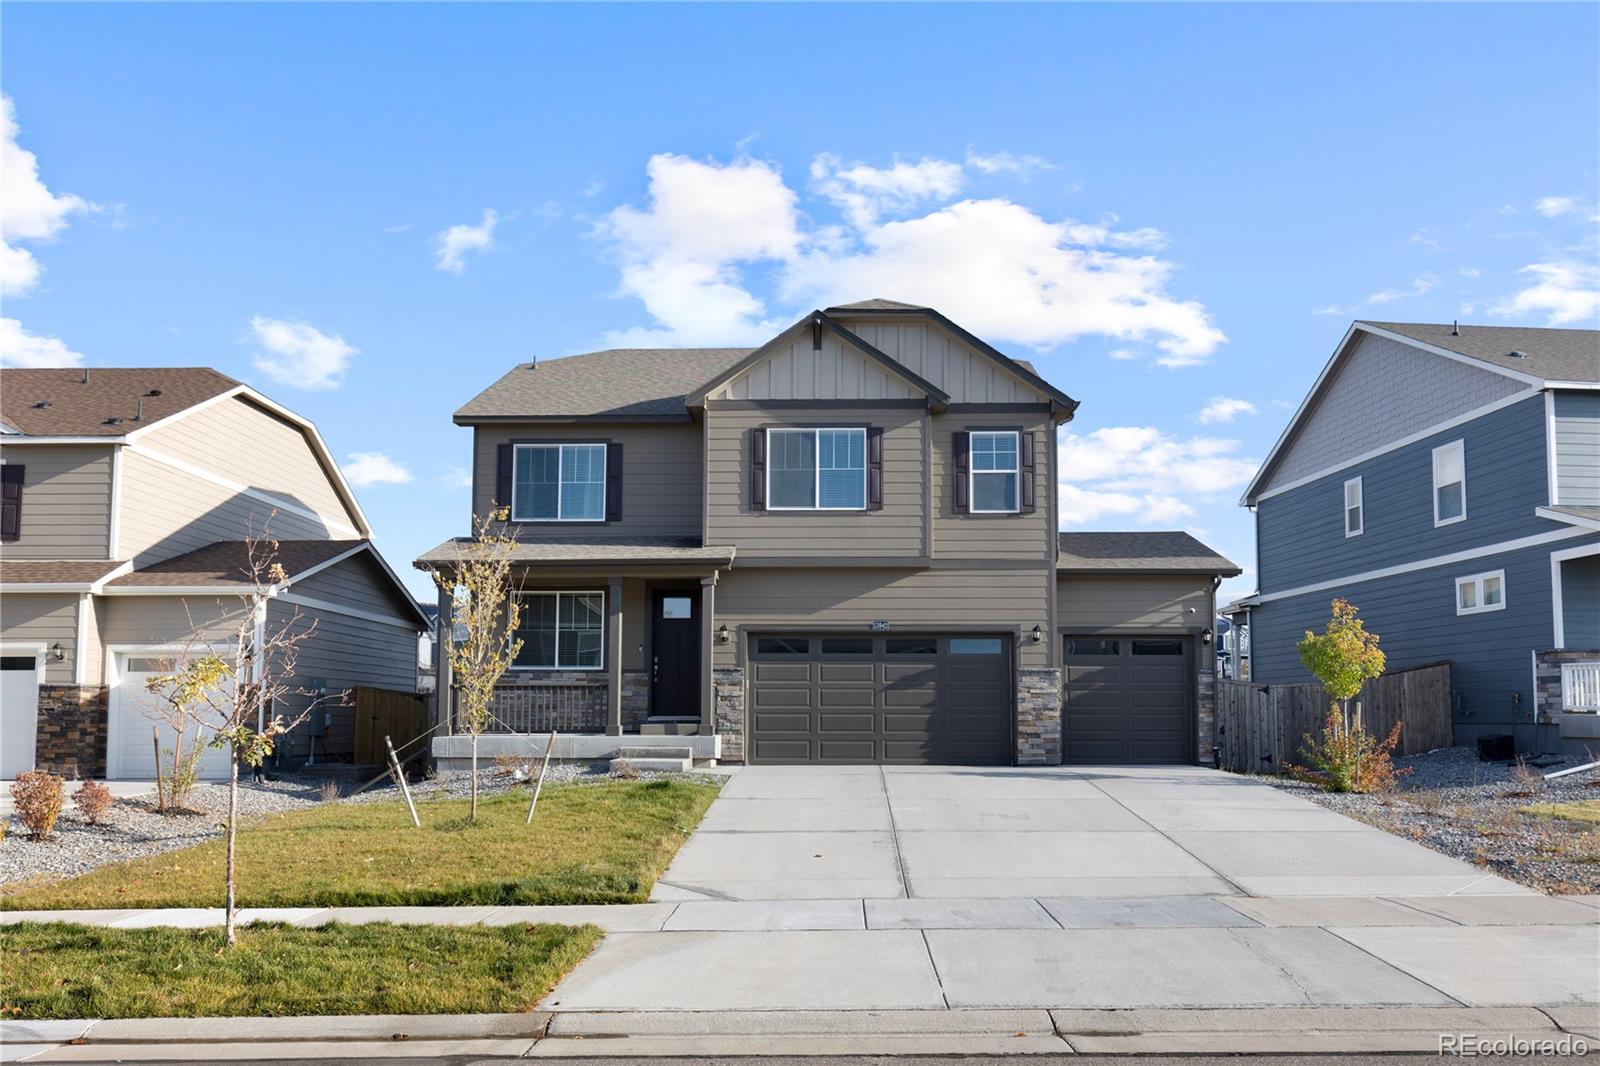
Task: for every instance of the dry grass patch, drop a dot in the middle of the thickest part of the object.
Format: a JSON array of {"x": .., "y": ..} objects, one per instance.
[{"x": 1572, "y": 811}]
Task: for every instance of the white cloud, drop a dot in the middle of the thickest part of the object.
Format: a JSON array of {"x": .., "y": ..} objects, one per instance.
[
  {"x": 1419, "y": 287},
  {"x": 1330, "y": 309},
  {"x": 1556, "y": 206},
  {"x": 1566, "y": 292},
  {"x": 1024, "y": 166},
  {"x": 1123, "y": 355},
  {"x": 455, "y": 477},
  {"x": 452, "y": 245},
  {"x": 300, "y": 355},
  {"x": 1142, "y": 474},
  {"x": 29, "y": 211},
  {"x": 374, "y": 468},
  {"x": 1424, "y": 239},
  {"x": 18, "y": 347},
  {"x": 1470, "y": 272},
  {"x": 694, "y": 252},
  {"x": 1225, "y": 409}
]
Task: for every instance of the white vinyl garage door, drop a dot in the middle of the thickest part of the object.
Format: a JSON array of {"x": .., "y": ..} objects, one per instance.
[
  {"x": 19, "y": 713},
  {"x": 130, "y": 747}
]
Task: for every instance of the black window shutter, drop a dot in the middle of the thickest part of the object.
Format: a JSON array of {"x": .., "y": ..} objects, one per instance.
[
  {"x": 11, "y": 479},
  {"x": 758, "y": 469},
  {"x": 613, "y": 482},
  {"x": 962, "y": 464},
  {"x": 1026, "y": 491},
  {"x": 502, "y": 476},
  {"x": 874, "y": 468}
]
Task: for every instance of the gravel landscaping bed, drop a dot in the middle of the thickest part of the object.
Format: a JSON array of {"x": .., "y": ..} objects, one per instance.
[
  {"x": 1472, "y": 810},
  {"x": 132, "y": 828}
]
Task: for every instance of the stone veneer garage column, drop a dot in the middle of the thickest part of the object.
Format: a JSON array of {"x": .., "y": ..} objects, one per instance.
[
  {"x": 1038, "y": 716},
  {"x": 729, "y": 708},
  {"x": 72, "y": 731}
]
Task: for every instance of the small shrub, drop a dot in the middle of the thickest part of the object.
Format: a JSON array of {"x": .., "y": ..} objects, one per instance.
[
  {"x": 329, "y": 791},
  {"x": 624, "y": 769},
  {"x": 513, "y": 766},
  {"x": 93, "y": 800},
  {"x": 39, "y": 796},
  {"x": 1349, "y": 759},
  {"x": 184, "y": 774},
  {"x": 1524, "y": 779}
]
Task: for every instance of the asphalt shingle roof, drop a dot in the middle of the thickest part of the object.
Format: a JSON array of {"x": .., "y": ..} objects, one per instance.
[
  {"x": 1159, "y": 552},
  {"x": 82, "y": 402},
  {"x": 227, "y": 563},
  {"x": 1551, "y": 354},
  {"x": 596, "y": 550},
  {"x": 54, "y": 571},
  {"x": 618, "y": 383},
  {"x": 1590, "y": 514}
]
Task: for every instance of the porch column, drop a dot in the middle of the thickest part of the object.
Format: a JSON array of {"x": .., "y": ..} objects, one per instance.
[
  {"x": 708, "y": 636},
  {"x": 613, "y": 655},
  {"x": 443, "y": 635}
]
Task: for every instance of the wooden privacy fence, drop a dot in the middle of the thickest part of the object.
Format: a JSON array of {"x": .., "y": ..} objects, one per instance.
[
  {"x": 1262, "y": 728},
  {"x": 401, "y": 716}
]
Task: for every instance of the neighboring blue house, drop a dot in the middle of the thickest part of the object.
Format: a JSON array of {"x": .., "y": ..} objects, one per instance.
[{"x": 1446, "y": 481}]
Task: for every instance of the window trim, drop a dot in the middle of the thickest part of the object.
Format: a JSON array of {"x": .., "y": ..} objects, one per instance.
[
  {"x": 558, "y": 593},
  {"x": 1360, "y": 508},
  {"x": 816, "y": 472},
  {"x": 560, "y": 448},
  {"x": 1459, "y": 446},
  {"x": 973, "y": 471},
  {"x": 1477, "y": 580}
]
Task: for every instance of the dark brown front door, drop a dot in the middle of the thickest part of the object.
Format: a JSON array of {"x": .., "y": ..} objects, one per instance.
[{"x": 675, "y": 654}]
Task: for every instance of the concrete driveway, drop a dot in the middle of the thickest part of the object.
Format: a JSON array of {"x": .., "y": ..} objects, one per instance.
[{"x": 1056, "y": 833}]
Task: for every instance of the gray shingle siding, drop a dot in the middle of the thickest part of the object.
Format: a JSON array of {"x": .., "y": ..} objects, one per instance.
[
  {"x": 1414, "y": 615},
  {"x": 1301, "y": 532},
  {"x": 1577, "y": 416}
]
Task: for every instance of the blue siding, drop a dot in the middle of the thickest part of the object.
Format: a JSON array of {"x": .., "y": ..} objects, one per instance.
[
  {"x": 1580, "y": 602},
  {"x": 1301, "y": 532},
  {"x": 1414, "y": 617},
  {"x": 1578, "y": 448}
]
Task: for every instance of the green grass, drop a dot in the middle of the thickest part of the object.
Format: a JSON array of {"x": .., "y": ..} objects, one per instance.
[
  {"x": 1571, "y": 811},
  {"x": 591, "y": 843},
  {"x": 76, "y": 971}
]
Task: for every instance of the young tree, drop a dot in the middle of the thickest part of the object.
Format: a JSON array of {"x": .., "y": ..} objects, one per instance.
[
  {"x": 231, "y": 682},
  {"x": 484, "y": 609},
  {"x": 1344, "y": 656}
]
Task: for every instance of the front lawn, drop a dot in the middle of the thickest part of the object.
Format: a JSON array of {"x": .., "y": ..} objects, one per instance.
[
  {"x": 76, "y": 971},
  {"x": 1572, "y": 811},
  {"x": 591, "y": 843}
]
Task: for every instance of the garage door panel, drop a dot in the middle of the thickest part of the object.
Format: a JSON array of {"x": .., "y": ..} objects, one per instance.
[
  {"x": 836, "y": 672},
  {"x": 782, "y": 671},
  {"x": 1128, "y": 700},
  {"x": 908, "y": 722},
  {"x": 895, "y": 673},
  {"x": 772, "y": 750},
  {"x": 924, "y": 697},
  {"x": 847, "y": 697},
  {"x": 842, "y": 749},
  {"x": 782, "y": 697}
]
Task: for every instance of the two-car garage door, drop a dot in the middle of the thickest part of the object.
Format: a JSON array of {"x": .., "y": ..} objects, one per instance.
[{"x": 913, "y": 699}]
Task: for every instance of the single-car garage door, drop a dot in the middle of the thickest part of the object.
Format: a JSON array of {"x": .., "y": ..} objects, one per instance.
[
  {"x": 1127, "y": 700},
  {"x": 134, "y": 713},
  {"x": 822, "y": 698},
  {"x": 19, "y": 713}
]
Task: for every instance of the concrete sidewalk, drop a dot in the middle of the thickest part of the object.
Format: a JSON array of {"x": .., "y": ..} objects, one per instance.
[{"x": 757, "y": 1033}]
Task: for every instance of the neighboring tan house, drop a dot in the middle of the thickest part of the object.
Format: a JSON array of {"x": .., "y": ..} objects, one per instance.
[
  {"x": 128, "y": 496},
  {"x": 839, "y": 547},
  {"x": 1445, "y": 480}
]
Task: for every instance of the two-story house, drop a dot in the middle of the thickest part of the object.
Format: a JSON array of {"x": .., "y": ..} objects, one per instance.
[
  {"x": 839, "y": 547},
  {"x": 1446, "y": 480},
  {"x": 128, "y": 495}
]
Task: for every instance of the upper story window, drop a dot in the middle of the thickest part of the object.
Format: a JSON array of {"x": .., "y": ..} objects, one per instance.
[
  {"x": 12, "y": 478},
  {"x": 561, "y": 631},
  {"x": 1481, "y": 592},
  {"x": 1354, "y": 516},
  {"x": 995, "y": 471},
  {"x": 559, "y": 483},
  {"x": 817, "y": 469},
  {"x": 1449, "y": 483}
]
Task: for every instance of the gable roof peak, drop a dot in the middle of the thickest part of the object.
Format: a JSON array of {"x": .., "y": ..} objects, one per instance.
[{"x": 878, "y": 303}]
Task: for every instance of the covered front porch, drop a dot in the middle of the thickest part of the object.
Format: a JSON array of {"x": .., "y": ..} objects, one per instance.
[{"x": 617, "y": 639}]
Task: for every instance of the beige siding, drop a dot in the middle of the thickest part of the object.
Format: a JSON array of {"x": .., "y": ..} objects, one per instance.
[
  {"x": 43, "y": 618},
  {"x": 895, "y": 531},
  {"x": 250, "y": 446},
  {"x": 635, "y": 622},
  {"x": 166, "y": 512},
  {"x": 661, "y": 477},
  {"x": 342, "y": 652},
  {"x": 1009, "y": 600},
  {"x": 990, "y": 536},
  {"x": 835, "y": 372},
  {"x": 940, "y": 357},
  {"x": 359, "y": 583},
  {"x": 1095, "y": 603},
  {"x": 155, "y": 620},
  {"x": 93, "y": 650},
  {"x": 66, "y": 501}
]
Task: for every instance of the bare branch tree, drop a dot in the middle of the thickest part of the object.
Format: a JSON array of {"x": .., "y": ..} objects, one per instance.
[{"x": 484, "y": 608}]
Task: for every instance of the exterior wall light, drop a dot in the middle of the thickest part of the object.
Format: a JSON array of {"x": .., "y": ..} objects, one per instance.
[
  {"x": 57, "y": 653},
  {"x": 723, "y": 636},
  {"x": 1038, "y": 635},
  {"x": 1205, "y": 636}
]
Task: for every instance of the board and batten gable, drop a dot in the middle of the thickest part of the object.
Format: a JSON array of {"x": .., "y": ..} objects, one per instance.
[
  {"x": 795, "y": 370},
  {"x": 898, "y": 530},
  {"x": 1383, "y": 391},
  {"x": 1301, "y": 536},
  {"x": 66, "y": 501},
  {"x": 1577, "y": 444},
  {"x": 938, "y": 356},
  {"x": 661, "y": 476}
]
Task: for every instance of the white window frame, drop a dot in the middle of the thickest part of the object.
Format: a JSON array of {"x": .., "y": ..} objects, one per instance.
[
  {"x": 816, "y": 473},
  {"x": 558, "y": 593},
  {"x": 561, "y": 449},
  {"x": 1360, "y": 508},
  {"x": 973, "y": 471},
  {"x": 1477, "y": 582},
  {"x": 1459, "y": 447}
]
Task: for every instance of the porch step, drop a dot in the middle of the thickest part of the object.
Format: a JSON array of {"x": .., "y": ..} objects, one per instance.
[
  {"x": 662, "y": 765},
  {"x": 672, "y": 760},
  {"x": 669, "y": 728}
]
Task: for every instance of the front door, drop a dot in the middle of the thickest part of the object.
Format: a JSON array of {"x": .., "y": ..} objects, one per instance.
[{"x": 675, "y": 654}]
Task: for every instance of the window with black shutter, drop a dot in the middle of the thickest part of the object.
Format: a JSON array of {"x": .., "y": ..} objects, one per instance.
[{"x": 11, "y": 482}]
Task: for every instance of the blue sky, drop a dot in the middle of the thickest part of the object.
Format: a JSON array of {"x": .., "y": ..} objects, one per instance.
[{"x": 370, "y": 212}]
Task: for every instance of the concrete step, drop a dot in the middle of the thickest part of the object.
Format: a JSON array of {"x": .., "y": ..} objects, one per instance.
[
  {"x": 659, "y": 764},
  {"x": 662, "y": 751},
  {"x": 687, "y": 728}
]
